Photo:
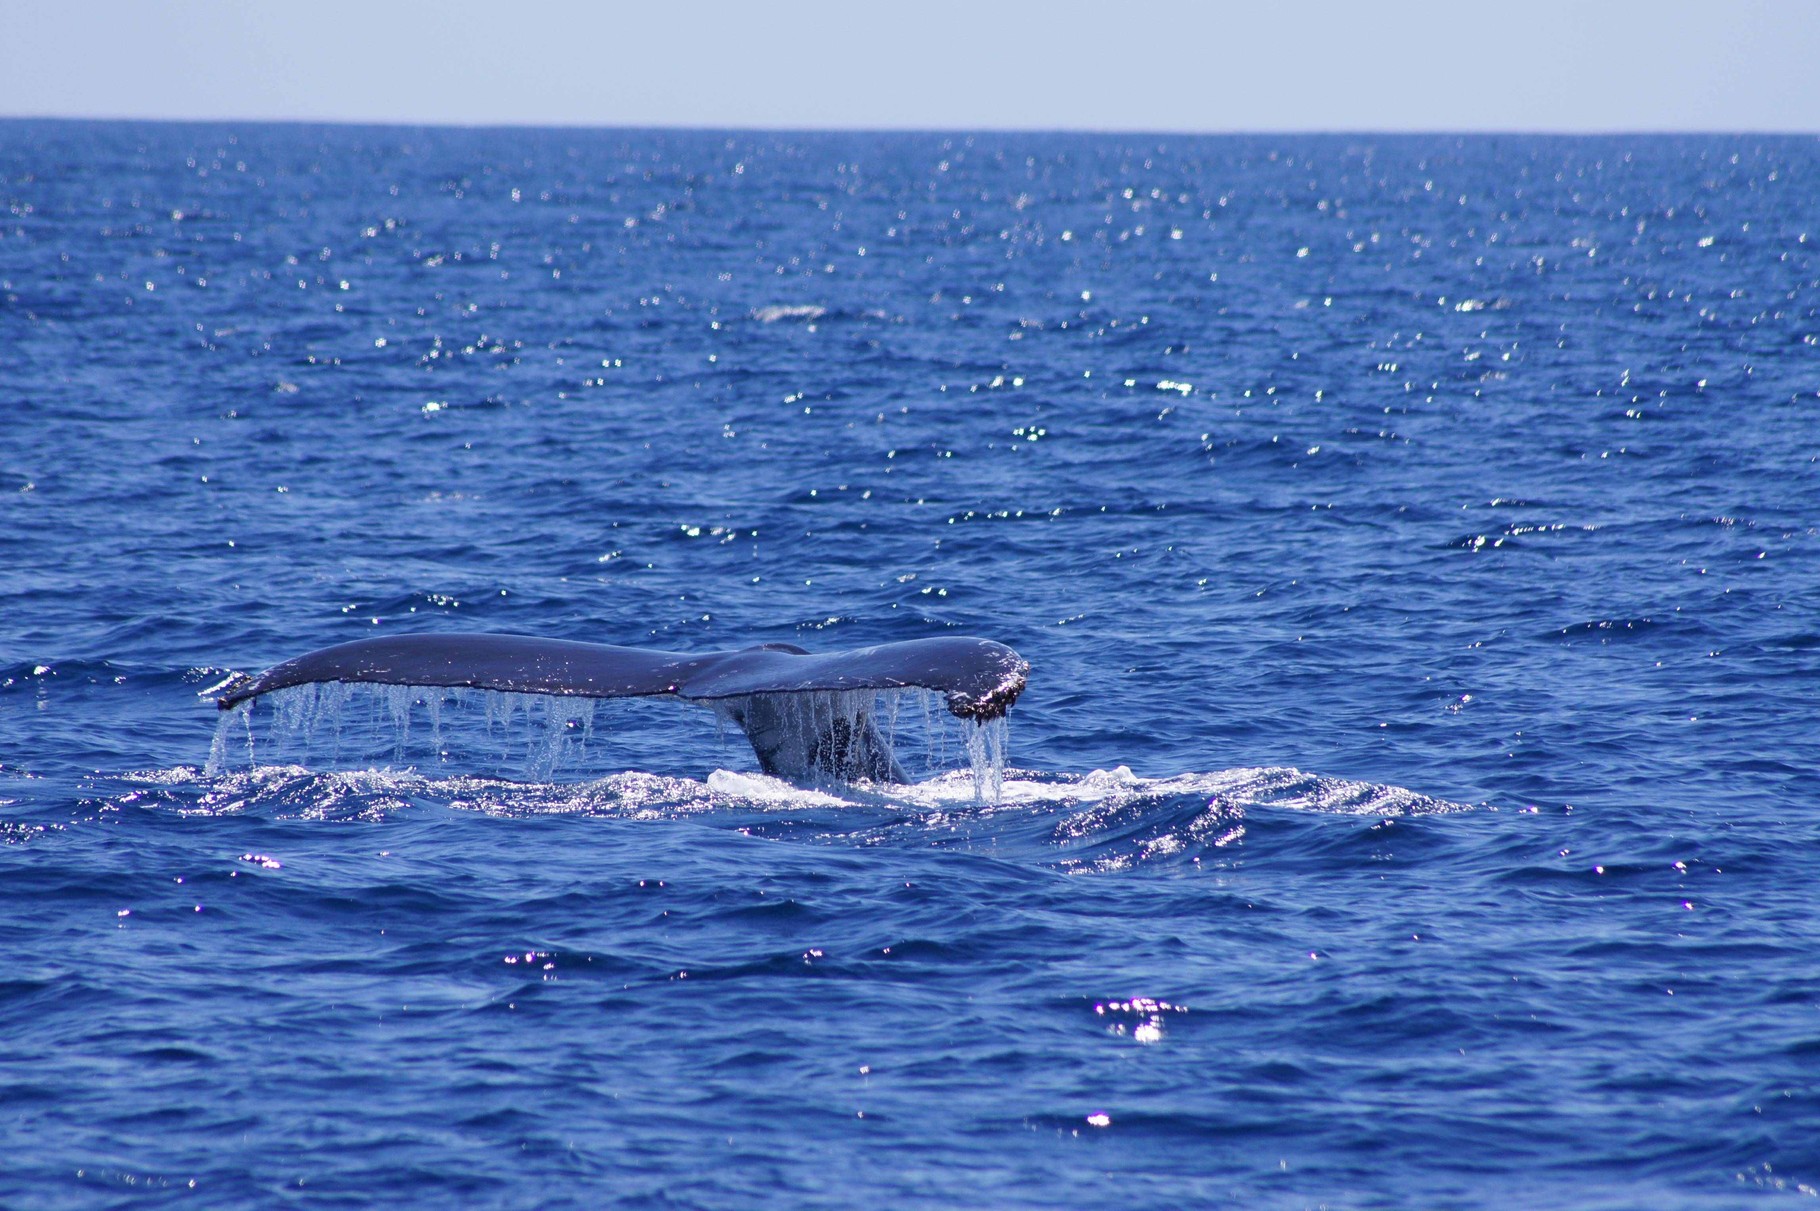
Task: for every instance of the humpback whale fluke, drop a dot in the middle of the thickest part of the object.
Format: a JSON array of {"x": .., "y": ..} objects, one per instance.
[{"x": 793, "y": 705}]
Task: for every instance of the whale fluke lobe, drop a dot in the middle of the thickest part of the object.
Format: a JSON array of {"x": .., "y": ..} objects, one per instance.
[{"x": 807, "y": 714}]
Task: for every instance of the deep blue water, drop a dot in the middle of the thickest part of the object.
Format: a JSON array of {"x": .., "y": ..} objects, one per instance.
[{"x": 1416, "y": 541}]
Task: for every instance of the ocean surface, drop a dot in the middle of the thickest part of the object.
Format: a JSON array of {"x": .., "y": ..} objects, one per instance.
[{"x": 1415, "y": 540}]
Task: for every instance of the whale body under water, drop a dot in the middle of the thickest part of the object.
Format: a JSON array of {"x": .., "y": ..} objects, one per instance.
[{"x": 808, "y": 715}]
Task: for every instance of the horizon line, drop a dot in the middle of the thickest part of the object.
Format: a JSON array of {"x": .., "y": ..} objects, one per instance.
[{"x": 784, "y": 128}]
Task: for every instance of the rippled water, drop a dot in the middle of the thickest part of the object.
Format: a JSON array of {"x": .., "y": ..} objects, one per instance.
[{"x": 1414, "y": 540}]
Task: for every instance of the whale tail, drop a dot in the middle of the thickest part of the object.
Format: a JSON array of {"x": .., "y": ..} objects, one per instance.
[
  {"x": 808, "y": 715},
  {"x": 818, "y": 734}
]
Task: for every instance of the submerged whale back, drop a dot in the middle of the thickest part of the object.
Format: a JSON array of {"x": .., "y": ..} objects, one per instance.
[{"x": 800, "y": 710}]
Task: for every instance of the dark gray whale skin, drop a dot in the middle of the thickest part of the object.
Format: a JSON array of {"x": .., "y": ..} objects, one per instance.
[{"x": 980, "y": 679}]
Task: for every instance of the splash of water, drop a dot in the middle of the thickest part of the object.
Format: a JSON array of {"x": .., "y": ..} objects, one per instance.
[
  {"x": 986, "y": 743},
  {"x": 225, "y": 724}
]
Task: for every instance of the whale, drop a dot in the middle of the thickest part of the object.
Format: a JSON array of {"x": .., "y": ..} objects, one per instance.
[{"x": 808, "y": 715}]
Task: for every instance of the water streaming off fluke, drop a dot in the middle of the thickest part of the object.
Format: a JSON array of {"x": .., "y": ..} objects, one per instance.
[{"x": 862, "y": 737}]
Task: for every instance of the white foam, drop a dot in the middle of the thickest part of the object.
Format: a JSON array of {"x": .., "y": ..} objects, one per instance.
[
  {"x": 788, "y": 311},
  {"x": 768, "y": 791}
]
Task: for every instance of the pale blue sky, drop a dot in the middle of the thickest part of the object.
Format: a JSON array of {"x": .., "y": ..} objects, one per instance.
[{"x": 1154, "y": 65}]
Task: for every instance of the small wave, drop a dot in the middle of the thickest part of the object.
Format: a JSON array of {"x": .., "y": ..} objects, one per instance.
[
  {"x": 68, "y": 672},
  {"x": 295, "y": 792},
  {"x": 1127, "y": 821},
  {"x": 807, "y": 312},
  {"x": 1611, "y": 630},
  {"x": 1517, "y": 534},
  {"x": 19, "y": 832}
]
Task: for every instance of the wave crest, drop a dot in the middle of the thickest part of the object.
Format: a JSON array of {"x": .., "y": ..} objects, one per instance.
[{"x": 1101, "y": 822}]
